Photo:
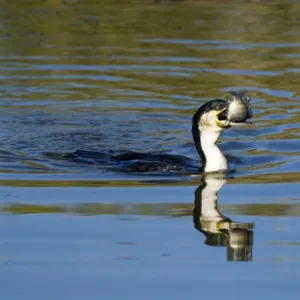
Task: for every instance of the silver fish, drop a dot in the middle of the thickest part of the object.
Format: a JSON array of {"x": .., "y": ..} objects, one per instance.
[{"x": 239, "y": 107}]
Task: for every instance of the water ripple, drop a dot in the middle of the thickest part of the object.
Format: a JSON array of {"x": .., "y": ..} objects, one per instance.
[{"x": 65, "y": 88}]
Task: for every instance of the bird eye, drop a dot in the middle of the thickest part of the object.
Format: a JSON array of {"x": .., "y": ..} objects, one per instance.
[
  {"x": 247, "y": 98},
  {"x": 220, "y": 106}
]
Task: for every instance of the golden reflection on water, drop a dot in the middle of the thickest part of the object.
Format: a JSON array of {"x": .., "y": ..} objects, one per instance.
[
  {"x": 151, "y": 209},
  {"x": 148, "y": 181}
]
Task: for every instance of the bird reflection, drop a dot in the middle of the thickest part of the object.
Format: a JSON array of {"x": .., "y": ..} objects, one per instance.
[{"x": 218, "y": 229}]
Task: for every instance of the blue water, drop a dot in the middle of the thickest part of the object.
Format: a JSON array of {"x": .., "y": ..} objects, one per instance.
[
  {"x": 136, "y": 256},
  {"x": 111, "y": 77}
]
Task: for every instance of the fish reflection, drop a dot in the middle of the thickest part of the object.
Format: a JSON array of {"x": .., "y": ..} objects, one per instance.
[{"x": 218, "y": 229}]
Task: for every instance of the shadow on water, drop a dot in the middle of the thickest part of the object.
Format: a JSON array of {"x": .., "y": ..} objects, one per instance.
[{"x": 218, "y": 229}]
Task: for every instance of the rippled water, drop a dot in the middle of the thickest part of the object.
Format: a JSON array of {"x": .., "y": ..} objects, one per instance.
[
  {"x": 107, "y": 81},
  {"x": 111, "y": 77}
]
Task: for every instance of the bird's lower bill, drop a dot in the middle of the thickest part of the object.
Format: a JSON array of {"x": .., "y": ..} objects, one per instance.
[{"x": 222, "y": 121}]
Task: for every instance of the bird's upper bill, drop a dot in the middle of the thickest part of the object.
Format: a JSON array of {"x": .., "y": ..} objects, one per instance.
[{"x": 234, "y": 110}]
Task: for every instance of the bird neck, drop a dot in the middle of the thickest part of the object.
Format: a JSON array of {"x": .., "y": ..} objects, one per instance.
[
  {"x": 214, "y": 158},
  {"x": 211, "y": 155}
]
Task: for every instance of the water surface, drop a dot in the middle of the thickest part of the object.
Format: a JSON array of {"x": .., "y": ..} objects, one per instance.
[{"x": 108, "y": 76}]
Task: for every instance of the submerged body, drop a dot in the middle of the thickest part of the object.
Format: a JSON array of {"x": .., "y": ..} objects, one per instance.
[{"x": 208, "y": 123}]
